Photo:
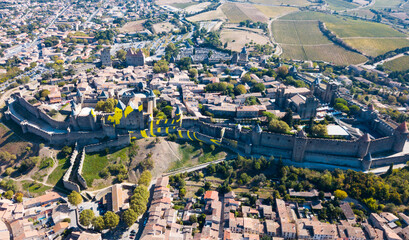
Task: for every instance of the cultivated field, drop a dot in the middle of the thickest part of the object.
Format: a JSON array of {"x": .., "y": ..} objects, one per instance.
[
  {"x": 302, "y": 39},
  {"x": 358, "y": 28},
  {"x": 371, "y": 38},
  {"x": 234, "y": 13},
  {"x": 273, "y": 12},
  {"x": 170, "y": 2},
  {"x": 163, "y": 27},
  {"x": 132, "y": 27},
  {"x": 197, "y": 7},
  {"x": 375, "y": 47},
  {"x": 298, "y": 32},
  {"x": 209, "y": 16},
  {"x": 237, "y": 39},
  {"x": 283, "y": 2},
  {"x": 398, "y": 64},
  {"x": 328, "y": 53},
  {"x": 252, "y": 12},
  {"x": 387, "y": 3},
  {"x": 340, "y": 5}
]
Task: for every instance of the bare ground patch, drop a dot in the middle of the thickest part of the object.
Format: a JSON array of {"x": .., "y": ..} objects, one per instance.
[
  {"x": 163, "y": 27},
  {"x": 132, "y": 27},
  {"x": 237, "y": 39}
]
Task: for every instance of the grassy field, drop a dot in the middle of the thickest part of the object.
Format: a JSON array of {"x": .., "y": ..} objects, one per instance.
[
  {"x": 283, "y": 2},
  {"x": 94, "y": 163},
  {"x": 298, "y": 32},
  {"x": 233, "y": 13},
  {"x": 375, "y": 47},
  {"x": 339, "y": 5},
  {"x": 273, "y": 12},
  {"x": 56, "y": 175},
  {"x": 398, "y": 64},
  {"x": 34, "y": 188}
]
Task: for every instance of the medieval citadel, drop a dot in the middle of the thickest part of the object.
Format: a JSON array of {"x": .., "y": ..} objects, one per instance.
[{"x": 133, "y": 119}]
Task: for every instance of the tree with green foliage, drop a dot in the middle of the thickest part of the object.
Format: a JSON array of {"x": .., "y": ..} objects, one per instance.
[
  {"x": 8, "y": 194},
  {"x": 258, "y": 87},
  {"x": 107, "y": 106},
  {"x": 74, "y": 198},
  {"x": 129, "y": 217},
  {"x": 319, "y": 130},
  {"x": 282, "y": 71},
  {"x": 18, "y": 197},
  {"x": 111, "y": 220},
  {"x": 354, "y": 109},
  {"x": 288, "y": 118},
  {"x": 340, "y": 194},
  {"x": 145, "y": 178},
  {"x": 86, "y": 217},
  {"x": 278, "y": 126},
  {"x": 98, "y": 223},
  {"x": 240, "y": 89},
  {"x": 162, "y": 66}
]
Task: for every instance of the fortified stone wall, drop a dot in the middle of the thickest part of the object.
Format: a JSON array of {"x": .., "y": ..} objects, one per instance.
[
  {"x": 333, "y": 147},
  {"x": 80, "y": 178},
  {"x": 66, "y": 178},
  {"x": 381, "y": 145},
  {"x": 123, "y": 140},
  {"x": 381, "y": 162},
  {"x": 41, "y": 114}
]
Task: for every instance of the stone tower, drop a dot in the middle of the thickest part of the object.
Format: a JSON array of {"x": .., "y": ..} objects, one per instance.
[
  {"x": 106, "y": 57},
  {"x": 256, "y": 135},
  {"x": 363, "y": 145},
  {"x": 400, "y": 136},
  {"x": 135, "y": 59},
  {"x": 300, "y": 143}
]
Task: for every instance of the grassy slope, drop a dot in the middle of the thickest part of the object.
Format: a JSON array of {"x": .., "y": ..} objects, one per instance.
[{"x": 56, "y": 175}]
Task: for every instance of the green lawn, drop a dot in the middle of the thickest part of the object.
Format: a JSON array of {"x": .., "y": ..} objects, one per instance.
[
  {"x": 57, "y": 174},
  {"x": 93, "y": 164},
  {"x": 34, "y": 188},
  {"x": 398, "y": 64}
]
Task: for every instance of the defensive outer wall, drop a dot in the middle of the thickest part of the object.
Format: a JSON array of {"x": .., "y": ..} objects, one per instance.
[{"x": 297, "y": 149}]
